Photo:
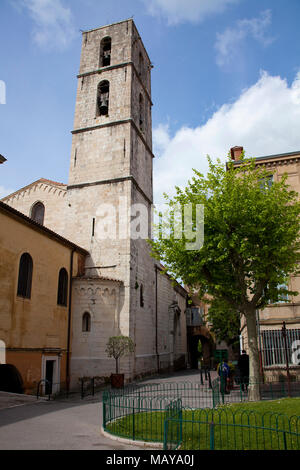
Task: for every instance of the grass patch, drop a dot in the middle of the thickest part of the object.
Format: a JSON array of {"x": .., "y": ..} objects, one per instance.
[{"x": 245, "y": 426}]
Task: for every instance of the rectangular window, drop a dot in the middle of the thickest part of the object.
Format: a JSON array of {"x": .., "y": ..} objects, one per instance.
[
  {"x": 273, "y": 349},
  {"x": 266, "y": 183}
]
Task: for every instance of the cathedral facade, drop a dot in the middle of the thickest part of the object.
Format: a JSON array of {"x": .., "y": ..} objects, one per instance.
[{"x": 106, "y": 209}]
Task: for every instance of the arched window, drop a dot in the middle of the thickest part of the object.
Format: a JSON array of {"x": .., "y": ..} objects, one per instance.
[
  {"x": 25, "y": 276},
  {"x": 38, "y": 212},
  {"x": 105, "y": 52},
  {"x": 102, "y": 98},
  {"x": 141, "y": 112},
  {"x": 62, "y": 292},
  {"x": 86, "y": 322},
  {"x": 142, "y": 295}
]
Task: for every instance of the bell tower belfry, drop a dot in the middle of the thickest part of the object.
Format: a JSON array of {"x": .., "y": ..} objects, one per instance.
[
  {"x": 112, "y": 136},
  {"x": 110, "y": 176}
]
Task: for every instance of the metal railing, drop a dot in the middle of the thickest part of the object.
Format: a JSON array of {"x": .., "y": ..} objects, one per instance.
[
  {"x": 172, "y": 413},
  {"x": 240, "y": 392},
  {"x": 224, "y": 429}
]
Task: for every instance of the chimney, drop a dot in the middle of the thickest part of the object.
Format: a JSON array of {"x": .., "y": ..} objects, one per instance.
[{"x": 236, "y": 153}]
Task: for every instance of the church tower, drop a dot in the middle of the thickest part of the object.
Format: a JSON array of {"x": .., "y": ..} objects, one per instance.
[{"x": 109, "y": 197}]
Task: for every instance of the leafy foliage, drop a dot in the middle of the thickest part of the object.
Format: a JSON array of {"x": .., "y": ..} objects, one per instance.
[
  {"x": 251, "y": 240},
  {"x": 119, "y": 346},
  {"x": 225, "y": 321}
]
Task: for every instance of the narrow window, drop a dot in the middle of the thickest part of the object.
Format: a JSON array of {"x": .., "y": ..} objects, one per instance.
[
  {"x": 141, "y": 112},
  {"x": 141, "y": 65},
  {"x": 38, "y": 212},
  {"x": 93, "y": 228},
  {"x": 62, "y": 292},
  {"x": 105, "y": 52},
  {"x": 86, "y": 322},
  {"x": 25, "y": 276},
  {"x": 103, "y": 98},
  {"x": 142, "y": 295}
]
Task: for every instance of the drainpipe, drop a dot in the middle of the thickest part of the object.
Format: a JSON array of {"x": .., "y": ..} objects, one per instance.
[
  {"x": 156, "y": 320},
  {"x": 69, "y": 320}
]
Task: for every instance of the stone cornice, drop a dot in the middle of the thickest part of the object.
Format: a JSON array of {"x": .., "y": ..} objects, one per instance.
[
  {"x": 116, "y": 123},
  {"x": 57, "y": 187},
  {"x": 112, "y": 181}
]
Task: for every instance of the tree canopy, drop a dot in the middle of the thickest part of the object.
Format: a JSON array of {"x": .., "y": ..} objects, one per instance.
[{"x": 251, "y": 239}]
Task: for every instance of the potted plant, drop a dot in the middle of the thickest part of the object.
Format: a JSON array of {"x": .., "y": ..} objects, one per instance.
[{"x": 117, "y": 347}]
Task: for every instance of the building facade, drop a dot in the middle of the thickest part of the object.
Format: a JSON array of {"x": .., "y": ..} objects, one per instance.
[
  {"x": 106, "y": 208},
  {"x": 270, "y": 320},
  {"x": 36, "y": 271}
]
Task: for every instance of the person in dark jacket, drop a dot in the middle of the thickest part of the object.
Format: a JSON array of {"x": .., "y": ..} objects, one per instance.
[
  {"x": 223, "y": 372},
  {"x": 243, "y": 365}
]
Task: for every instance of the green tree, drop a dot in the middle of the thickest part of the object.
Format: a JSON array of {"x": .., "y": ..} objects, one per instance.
[
  {"x": 119, "y": 346},
  {"x": 225, "y": 321},
  {"x": 250, "y": 241}
]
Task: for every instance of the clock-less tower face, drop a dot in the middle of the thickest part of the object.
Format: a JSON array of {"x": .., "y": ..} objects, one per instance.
[{"x": 112, "y": 138}]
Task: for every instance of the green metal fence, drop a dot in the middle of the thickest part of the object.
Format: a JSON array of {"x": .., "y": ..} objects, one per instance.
[
  {"x": 191, "y": 416},
  {"x": 139, "y": 418},
  {"x": 224, "y": 429},
  {"x": 268, "y": 390}
]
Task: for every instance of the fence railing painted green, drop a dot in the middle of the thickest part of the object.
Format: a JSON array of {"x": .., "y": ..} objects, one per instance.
[
  {"x": 185, "y": 415},
  {"x": 139, "y": 418},
  {"x": 268, "y": 390},
  {"x": 224, "y": 429}
]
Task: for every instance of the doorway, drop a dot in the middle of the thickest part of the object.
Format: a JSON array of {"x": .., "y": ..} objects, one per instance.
[
  {"x": 49, "y": 377},
  {"x": 51, "y": 374}
]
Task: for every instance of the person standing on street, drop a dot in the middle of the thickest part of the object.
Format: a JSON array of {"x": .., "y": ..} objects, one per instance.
[{"x": 243, "y": 365}]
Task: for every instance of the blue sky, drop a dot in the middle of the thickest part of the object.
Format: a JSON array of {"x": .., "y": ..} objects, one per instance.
[{"x": 226, "y": 72}]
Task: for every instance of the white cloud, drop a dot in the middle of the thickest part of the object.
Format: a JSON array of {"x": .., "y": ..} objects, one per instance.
[
  {"x": 53, "y": 22},
  {"x": 264, "y": 120},
  {"x": 229, "y": 41},
  {"x": 178, "y": 11}
]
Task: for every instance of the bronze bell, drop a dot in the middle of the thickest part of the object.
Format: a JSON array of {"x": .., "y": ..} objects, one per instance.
[{"x": 103, "y": 107}]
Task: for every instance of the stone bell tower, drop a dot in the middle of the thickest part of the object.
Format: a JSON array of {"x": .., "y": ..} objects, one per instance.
[{"x": 109, "y": 188}]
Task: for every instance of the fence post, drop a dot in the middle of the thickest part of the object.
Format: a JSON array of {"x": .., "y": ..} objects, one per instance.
[
  {"x": 212, "y": 436},
  {"x": 104, "y": 414},
  {"x": 82, "y": 389},
  {"x": 133, "y": 423},
  {"x": 222, "y": 387},
  {"x": 209, "y": 380},
  {"x": 284, "y": 441},
  {"x": 166, "y": 434},
  {"x": 180, "y": 429}
]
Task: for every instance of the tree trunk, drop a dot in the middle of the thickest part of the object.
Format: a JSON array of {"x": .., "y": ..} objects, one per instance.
[
  {"x": 254, "y": 364},
  {"x": 117, "y": 365}
]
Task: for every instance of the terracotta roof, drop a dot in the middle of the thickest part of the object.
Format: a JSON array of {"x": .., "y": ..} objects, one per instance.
[
  {"x": 41, "y": 228},
  {"x": 41, "y": 180}
]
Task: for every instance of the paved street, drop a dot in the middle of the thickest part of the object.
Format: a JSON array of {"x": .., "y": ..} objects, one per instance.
[{"x": 62, "y": 424}]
